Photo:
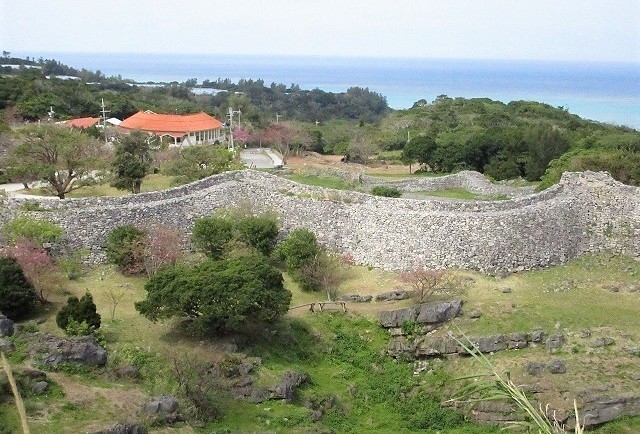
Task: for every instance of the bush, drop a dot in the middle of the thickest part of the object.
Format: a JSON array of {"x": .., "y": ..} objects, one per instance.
[
  {"x": 125, "y": 248},
  {"x": 76, "y": 312},
  {"x": 259, "y": 232},
  {"x": 211, "y": 235},
  {"x": 382, "y": 190},
  {"x": 218, "y": 296},
  {"x": 17, "y": 295},
  {"x": 38, "y": 231},
  {"x": 299, "y": 251}
]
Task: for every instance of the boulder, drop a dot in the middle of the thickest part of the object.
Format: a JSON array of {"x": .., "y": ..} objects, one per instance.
[
  {"x": 434, "y": 313},
  {"x": 6, "y": 346},
  {"x": 557, "y": 366},
  {"x": 395, "y": 318},
  {"x": 39, "y": 387},
  {"x": 6, "y": 326},
  {"x": 54, "y": 350},
  {"x": 424, "y": 313},
  {"x": 603, "y": 342},
  {"x": 517, "y": 341},
  {"x": 536, "y": 336},
  {"x": 534, "y": 368},
  {"x": 355, "y": 298},
  {"x": 555, "y": 342},
  {"x": 287, "y": 387},
  {"x": 491, "y": 344},
  {"x": 163, "y": 409},
  {"x": 399, "y": 294}
]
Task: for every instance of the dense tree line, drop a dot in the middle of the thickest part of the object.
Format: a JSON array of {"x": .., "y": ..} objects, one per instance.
[{"x": 506, "y": 141}]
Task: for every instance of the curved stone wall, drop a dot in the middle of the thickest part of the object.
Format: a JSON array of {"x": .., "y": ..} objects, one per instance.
[{"x": 585, "y": 212}]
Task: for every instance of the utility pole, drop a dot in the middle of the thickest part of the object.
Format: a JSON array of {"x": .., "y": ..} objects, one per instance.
[{"x": 104, "y": 120}]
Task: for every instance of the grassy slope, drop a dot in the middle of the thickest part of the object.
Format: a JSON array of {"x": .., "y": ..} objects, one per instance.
[{"x": 343, "y": 353}]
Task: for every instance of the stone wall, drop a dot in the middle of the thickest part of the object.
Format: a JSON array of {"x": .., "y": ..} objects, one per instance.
[{"x": 585, "y": 212}]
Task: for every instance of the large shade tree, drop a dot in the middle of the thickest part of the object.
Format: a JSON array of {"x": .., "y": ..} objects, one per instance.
[{"x": 60, "y": 156}]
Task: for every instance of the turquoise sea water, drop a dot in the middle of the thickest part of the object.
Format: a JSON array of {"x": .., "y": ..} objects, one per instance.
[{"x": 606, "y": 92}]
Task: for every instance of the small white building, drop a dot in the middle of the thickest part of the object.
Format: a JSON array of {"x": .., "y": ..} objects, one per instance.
[{"x": 182, "y": 130}]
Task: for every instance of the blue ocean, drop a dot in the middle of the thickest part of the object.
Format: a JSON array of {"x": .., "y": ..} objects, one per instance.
[{"x": 605, "y": 92}]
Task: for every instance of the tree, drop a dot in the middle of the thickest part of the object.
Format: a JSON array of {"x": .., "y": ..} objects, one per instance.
[
  {"x": 299, "y": 251},
  {"x": 79, "y": 311},
  {"x": 325, "y": 273},
  {"x": 161, "y": 248},
  {"x": 285, "y": 139},
  {"x": 218, "y": 296},
  {"x": 132, "y": 161},
  {"x": 125, "y": 248},
  {"x": 259, "y": 232},
  {"x": 60, "y": 156},
  {"x": 211, "y": 235},
  {"x": 425, "y": 282},
  {"x": 37, "y": 266},
  {"x": 17, "y": 296},
  {"x": 198, "y": 162}
]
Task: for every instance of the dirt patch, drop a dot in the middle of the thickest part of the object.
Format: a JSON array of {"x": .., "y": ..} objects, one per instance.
[{"x": 312, "y": 160}]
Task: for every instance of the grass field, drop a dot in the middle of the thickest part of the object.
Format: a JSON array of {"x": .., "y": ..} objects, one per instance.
[
  {"x": 151, "y": 182},
  {"x": 344, "y": 353}
]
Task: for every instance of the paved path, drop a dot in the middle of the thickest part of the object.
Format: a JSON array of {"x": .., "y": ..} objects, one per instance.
[
  {"x": 260, "y": 158},
  {"x": 12, "y": 190}
]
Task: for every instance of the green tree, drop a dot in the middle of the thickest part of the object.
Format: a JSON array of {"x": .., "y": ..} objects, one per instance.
[
  {"x": 79, "y": 311},
  {"x": 17, "y": 295},
  {"x": 125, "y": 248},
  {"x": 132, "y": 161},
  {"x": 298, "y": 251},
  {"x": 218, "y": 296},
  {"x": 198, "y": 162},
  {"x": 259, "y": 232},
  {"x": 212, "y": 234},
  {"x": 61, "y": 156}
]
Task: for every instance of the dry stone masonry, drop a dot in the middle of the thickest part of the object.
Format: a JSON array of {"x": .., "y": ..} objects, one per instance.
[{"x": 586, "y": 212}]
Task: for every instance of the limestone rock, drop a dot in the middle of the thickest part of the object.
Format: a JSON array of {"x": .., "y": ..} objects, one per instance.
[
  {"x": 6, "y": 346},
  {"x": 287, "y": 387},
  {"x": 163, "y": 409},
  {"x": 39, "y": 387},
  {"x": 534, "y": 368},
  {"x": 555, "y": 342},
  {"x": 355, "y": 298},
  {"x": 394, "y": 295},
  {"x": 557, "y": 366},
  {"x": 6, "y": 326},
  {"x": 434, "y": 313},
  {"x": 54, "y": 350}
]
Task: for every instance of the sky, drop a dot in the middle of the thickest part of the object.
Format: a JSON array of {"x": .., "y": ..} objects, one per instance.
[{"x": 571, "y": 30}]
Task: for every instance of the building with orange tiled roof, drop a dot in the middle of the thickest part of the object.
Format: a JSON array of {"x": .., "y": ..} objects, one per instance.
[
  {"x": 195, "y": 129},
  {"x": 81, "y": 122}
]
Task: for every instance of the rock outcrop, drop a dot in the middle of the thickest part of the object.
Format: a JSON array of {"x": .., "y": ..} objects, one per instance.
[{"x": 54, "y": 350}]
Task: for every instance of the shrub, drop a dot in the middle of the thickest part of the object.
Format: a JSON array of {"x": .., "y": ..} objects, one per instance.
[
  {"x": 425, "y": 282},
  {"x": 38, "y": 231},
  {"x": 211, "y": 235},
  {"x": 299, "y": 252},
  {"x": 72, "y": 264},
  {"x": 383, "y": 190},
  {"x": 76, "y": 312},
  {"x": 37, "y": 266},
  {"x": 17, "y": 296},
  {"x": 218, "y": 295},
  {"x": 125, "y": 248},
  {"x": 259, "y": 232},
  {"x": 161, "y": 248}
]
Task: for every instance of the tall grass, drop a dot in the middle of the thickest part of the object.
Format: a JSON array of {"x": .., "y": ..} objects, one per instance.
[
  {"x": 499, "y": 387},
  {"x": 16, "y": 393}
]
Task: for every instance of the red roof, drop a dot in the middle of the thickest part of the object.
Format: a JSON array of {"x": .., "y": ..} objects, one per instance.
[
  {"x": 82, "y": 122},
  {"x": 170, "y": 124}
]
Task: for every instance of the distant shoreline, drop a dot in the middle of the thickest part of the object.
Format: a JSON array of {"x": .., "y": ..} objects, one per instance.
[{"x": 602, "y": 91}]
